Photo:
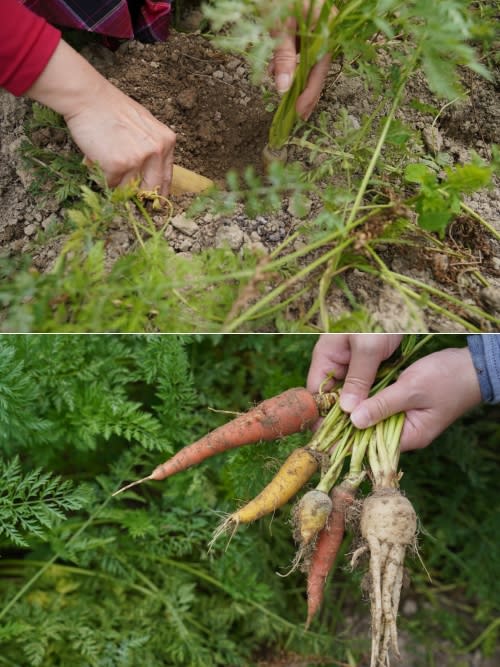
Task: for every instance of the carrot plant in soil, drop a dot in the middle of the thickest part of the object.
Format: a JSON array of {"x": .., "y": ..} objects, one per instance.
[
  {"x": 369, "y": 198},
  {"x": 367, "y": 194},
  {"x": 87, "y": 579}
]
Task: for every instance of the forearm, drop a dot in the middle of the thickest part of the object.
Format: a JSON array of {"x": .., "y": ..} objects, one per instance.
[
  {"x": 485, "y": 353},
  {"x": 67, "y": 83}
]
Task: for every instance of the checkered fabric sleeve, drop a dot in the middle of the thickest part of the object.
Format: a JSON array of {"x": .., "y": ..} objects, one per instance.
[{"x": 145, "y": 20}]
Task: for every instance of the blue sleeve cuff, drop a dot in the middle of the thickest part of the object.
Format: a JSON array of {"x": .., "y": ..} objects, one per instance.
[{"x": 485, "y": 352}]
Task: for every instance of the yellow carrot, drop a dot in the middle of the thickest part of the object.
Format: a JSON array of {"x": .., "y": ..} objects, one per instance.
[
  {"x": 298, "y": 468},
  {"x": 185, "y": 180}
]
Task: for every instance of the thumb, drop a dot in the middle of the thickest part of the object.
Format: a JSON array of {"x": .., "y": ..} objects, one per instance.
[
  {"x": 285, "y": 58},
  {"x": 360, "y": 376},
  {"x": 387, "y": 402}
]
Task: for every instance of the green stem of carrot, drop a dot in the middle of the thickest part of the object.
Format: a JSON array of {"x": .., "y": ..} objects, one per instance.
[
  {"x": 312, "y": 42},
  {"x": 330, "y": 430},
  {"x": 477, "y": 217},
  {"x": 378, "y": 149},
  {"x": 384, "y": 449},
  {"x": 410, "y": 346},
  {"x": 356, "y": 473},
  {"x": 341, "y": 451},
  {"x": 393, "y": 442}
]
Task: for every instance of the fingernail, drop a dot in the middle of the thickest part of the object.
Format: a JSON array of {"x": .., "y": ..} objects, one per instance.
[
  {"x": 349, "y": 401},
  {"x": 360, "y": 418},
  {"x": 283, "y": 82}
]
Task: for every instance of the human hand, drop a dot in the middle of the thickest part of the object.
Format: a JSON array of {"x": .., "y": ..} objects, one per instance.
[
  {"x": 125, "y": 139},
  {"x": 284, "y": 63},
  {"x": 433, "y": 392},
  {"x": 108, "y": 126},
  {"x": 355, "y": 357}
]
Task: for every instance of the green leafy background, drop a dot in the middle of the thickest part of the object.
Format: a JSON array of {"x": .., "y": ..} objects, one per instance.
[{"x": 130, "y": 581}]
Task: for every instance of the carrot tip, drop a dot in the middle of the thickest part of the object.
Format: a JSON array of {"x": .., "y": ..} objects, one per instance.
[{"x": 124, "y": 488}]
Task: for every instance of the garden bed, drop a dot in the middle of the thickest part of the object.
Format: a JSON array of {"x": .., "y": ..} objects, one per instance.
[{"x": 221, "y": 123}]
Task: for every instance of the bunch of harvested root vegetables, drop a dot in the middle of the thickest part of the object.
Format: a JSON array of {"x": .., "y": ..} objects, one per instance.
[{"x": 387, "y": 521}]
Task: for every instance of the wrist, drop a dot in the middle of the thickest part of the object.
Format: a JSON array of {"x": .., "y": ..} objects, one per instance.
[
  {"x": 469, "y": 380},
  {"x": 67, "y": 83}
]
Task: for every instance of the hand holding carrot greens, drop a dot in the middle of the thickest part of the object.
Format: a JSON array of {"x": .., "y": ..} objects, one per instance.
[
  {"x": 284, "y": 62},
  {"x": 433, "y": 392},
  {"x": 354, "y": 358}
]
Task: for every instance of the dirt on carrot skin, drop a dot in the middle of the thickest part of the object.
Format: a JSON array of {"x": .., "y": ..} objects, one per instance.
[
  {"x": 221, "y": 123},
  {"x": 310, "y": 515},
  {"x": 388, "y": 525}
]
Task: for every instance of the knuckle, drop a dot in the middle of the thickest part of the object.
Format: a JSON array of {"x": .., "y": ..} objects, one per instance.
[
  {"x": 155, "y": 148},
  {"x": 119, "y": 165},
  {"x": 284, "y": 60},
  {"x": 172, "y": 137},
  {"x": 413, "y": 387},
  {"x": 368, "y": 344},
  {"x": 380, "y": 408},
  {"x": 355, "y": 382}
]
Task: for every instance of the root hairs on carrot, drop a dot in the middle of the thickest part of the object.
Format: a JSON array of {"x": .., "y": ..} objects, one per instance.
[
  {"x": 388, "y": 527},
  {"x": 298, "y": 468},
  {"x": 309, "y": 516}
]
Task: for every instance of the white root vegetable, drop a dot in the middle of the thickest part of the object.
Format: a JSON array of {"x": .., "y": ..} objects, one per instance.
[{"x": 388, "y": 526}]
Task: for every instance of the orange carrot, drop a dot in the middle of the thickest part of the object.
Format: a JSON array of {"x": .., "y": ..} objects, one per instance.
[
  {"x": 327, "y": 546},
  {"x": 293, "y": 410}
]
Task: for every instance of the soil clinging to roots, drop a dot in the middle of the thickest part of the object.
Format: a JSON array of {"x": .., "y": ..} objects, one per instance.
[{"x": 388, "y": 526}]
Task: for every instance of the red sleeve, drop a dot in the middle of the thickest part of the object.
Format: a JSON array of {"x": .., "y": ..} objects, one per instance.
[{"x": 27, "y": 43}]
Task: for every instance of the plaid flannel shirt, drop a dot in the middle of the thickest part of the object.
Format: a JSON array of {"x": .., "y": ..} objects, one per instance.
[{"x": 145, "y": 20}]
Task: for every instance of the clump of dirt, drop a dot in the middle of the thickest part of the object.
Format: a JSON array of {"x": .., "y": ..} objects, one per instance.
[{"x": 221, "y": 123}]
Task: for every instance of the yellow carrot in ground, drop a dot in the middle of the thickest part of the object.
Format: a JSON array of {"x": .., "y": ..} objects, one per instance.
[{"x": 185, "y": 180}]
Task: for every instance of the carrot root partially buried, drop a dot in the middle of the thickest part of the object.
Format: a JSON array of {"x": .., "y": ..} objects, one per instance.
[
  {"x": 289, "y": 412},
  {"x": 327, "y": 547}
]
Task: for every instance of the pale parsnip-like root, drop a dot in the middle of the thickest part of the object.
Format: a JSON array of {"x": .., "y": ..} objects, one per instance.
[{"x": 388, "y": 526}]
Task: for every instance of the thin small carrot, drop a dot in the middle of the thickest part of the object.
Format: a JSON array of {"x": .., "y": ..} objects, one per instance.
[
  {"x": 289, "y": 412},
  {"x": 327, "y": 546},
  {"x": 298, "y": 468}
]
